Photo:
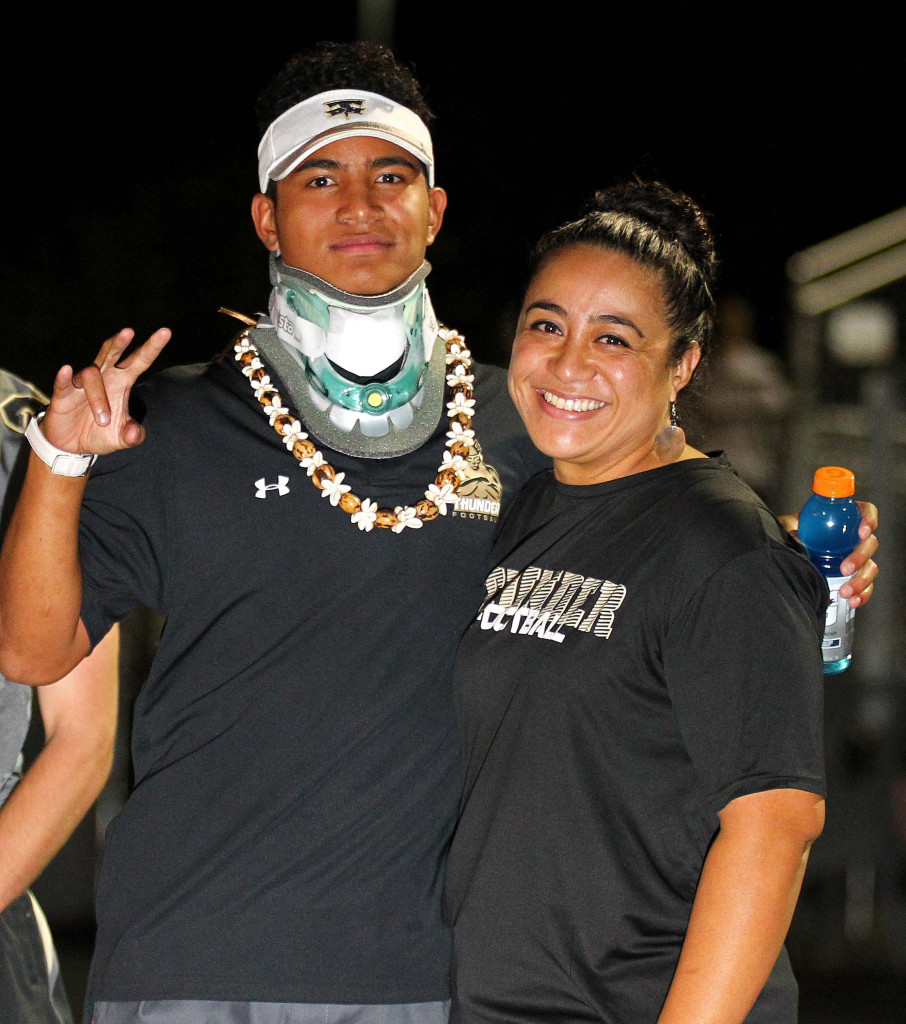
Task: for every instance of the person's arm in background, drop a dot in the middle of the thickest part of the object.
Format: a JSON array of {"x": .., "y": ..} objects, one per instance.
[
  {"x": 861, "y": 561},
  {"x": 79, "y": 714},
  {"x": 743, "y": 905}
]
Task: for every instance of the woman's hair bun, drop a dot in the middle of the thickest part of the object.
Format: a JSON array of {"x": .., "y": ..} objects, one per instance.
[{"x": 672, "y": 214}]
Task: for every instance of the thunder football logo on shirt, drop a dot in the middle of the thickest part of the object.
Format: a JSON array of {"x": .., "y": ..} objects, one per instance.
[
  {"x": 480, "y": 493},
  {"x": 544, "y": 602}
]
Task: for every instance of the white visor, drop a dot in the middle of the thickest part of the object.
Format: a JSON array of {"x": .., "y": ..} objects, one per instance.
[{"x": 339, "y": 114}]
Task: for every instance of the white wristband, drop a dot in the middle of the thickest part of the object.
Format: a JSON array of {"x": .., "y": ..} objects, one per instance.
[{"x": 61, "y": 463}]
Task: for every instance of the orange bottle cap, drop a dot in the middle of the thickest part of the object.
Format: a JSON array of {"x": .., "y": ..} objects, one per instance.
[{"x": 834, "y": 482}]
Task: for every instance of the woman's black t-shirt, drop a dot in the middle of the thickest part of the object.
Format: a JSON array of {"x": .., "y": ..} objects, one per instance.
[{"x": 649, "y": 650}]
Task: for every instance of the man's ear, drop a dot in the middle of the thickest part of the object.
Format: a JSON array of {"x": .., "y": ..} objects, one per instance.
[
  {"x": 264, "y": 217},
  {"x": 437, "y": 203}
]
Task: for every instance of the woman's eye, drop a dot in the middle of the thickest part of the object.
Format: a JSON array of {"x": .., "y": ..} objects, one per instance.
[{"x": 545, "y": 326}]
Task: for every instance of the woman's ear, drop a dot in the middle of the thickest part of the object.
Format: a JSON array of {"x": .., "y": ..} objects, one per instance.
[{"x": 682, "y": 372}]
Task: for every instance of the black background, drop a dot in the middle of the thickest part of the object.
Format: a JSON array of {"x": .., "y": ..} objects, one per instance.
[{"x": 129, "y": 146}]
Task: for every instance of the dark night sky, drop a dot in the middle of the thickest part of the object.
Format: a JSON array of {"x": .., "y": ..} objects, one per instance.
[{"x": 131, "y": 155}]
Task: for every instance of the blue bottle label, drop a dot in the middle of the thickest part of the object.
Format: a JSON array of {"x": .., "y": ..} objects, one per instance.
[{"x": 838, "y": 625}]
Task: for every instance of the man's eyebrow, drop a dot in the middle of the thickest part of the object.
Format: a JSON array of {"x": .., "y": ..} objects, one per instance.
[
  {"x": 601, "y": 318},
  {"x": 320, "y": 164},
  {"x": 395, "y": 161}
]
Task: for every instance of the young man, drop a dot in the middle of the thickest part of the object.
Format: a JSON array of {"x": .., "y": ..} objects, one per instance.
[
  {"x": 39, "y": 810},
  {"x": 295, "y": 751},
  {"x": 297, "y": 768}
]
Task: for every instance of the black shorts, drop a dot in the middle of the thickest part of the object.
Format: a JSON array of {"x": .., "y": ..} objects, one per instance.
[{"x": 28, "y": 995}]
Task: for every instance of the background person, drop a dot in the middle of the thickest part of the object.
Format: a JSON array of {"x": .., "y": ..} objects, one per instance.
[
  {"x": 744, "y": 408},
  {"x": 639, "y": 698},
  {"x": 39, "y": 811}
]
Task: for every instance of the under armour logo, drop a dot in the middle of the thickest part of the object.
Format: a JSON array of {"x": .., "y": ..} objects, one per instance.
[
  {"x": 280, "y": 487},
  {"x": 345, "y": 107}
]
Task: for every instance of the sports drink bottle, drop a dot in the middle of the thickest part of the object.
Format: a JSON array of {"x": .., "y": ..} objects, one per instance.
[{"x": 829, "y": 528}]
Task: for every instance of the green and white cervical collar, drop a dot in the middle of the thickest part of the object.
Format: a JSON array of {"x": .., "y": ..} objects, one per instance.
[{"x": 363, "y": 370}]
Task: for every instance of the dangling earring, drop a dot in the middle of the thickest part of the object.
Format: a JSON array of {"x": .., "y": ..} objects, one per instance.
[{"x": 670, "y": 441}]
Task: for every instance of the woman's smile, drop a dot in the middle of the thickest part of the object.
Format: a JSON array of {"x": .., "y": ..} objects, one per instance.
[{"x": 564, "y": 404}]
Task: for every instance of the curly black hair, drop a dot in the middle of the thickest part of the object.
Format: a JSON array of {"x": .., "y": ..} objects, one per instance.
[{"x": 328, "y": 65}]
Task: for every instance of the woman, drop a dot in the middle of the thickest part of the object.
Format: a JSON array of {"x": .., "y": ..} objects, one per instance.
[{"x": 640, "y": 695}]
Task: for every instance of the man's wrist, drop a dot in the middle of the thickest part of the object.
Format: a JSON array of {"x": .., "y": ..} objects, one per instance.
[{"x": 61, "y": 463}]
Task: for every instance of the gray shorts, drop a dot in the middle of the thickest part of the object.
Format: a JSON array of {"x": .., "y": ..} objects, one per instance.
[{"x": 198, "y": 1011}]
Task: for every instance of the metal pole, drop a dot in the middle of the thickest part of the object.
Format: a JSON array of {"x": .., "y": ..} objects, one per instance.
[{"x": 375, "y": 21}]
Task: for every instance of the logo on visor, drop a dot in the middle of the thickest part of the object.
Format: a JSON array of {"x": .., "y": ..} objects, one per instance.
[{"x": 345, "y": 107}]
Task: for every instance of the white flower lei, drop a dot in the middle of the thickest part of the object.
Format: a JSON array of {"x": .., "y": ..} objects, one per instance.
[{"x": 363, "y": 512}]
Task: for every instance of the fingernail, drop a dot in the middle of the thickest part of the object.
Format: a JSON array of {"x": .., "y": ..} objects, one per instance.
[{"x": 103, "y": 418}]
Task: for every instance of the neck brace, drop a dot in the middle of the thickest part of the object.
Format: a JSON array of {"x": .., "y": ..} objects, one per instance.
[{"x": 316, "y": 332}]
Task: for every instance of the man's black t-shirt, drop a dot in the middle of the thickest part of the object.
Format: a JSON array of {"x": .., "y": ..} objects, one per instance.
[
  {"x": 648, "y": 651},
  {"x": 296, "y": 762}
]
